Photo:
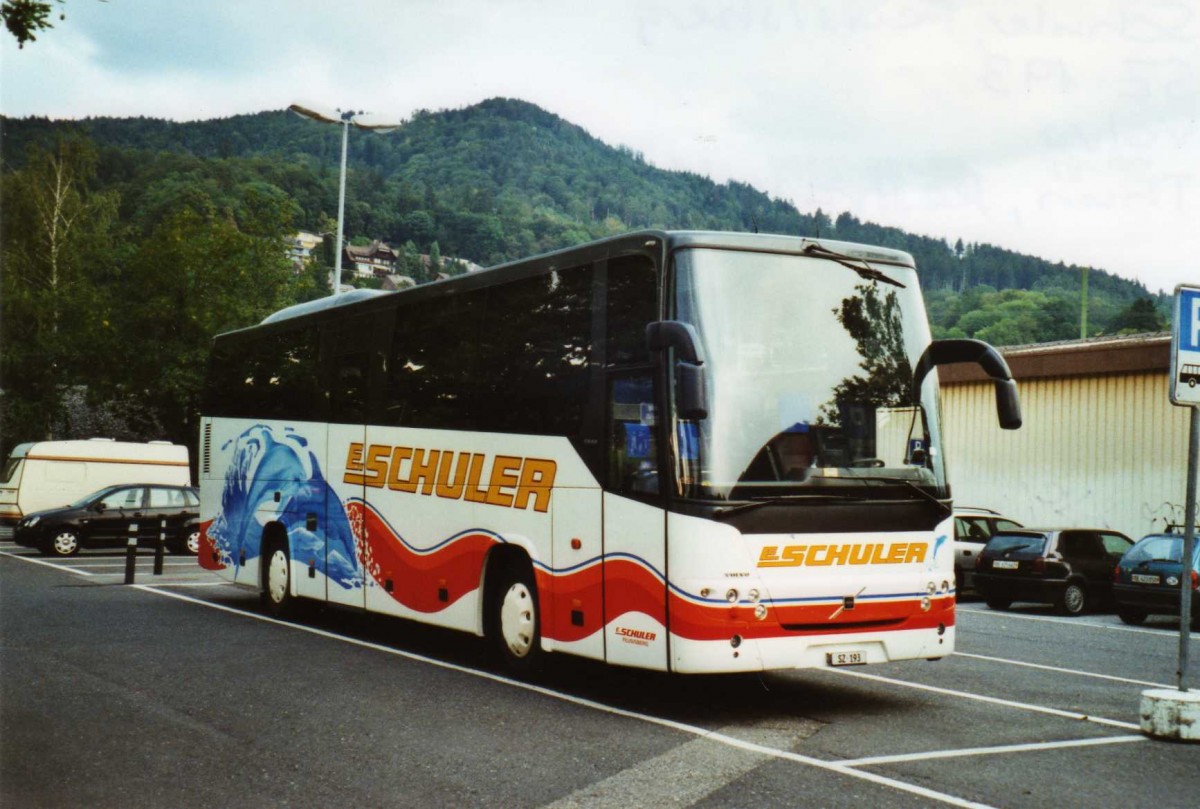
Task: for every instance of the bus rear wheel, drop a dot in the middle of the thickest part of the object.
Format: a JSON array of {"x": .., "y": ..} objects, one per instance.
[{"x": 513, "y": 618}]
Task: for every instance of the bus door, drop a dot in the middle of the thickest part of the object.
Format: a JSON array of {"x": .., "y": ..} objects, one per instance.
[
  {"x": 349, "y": 368},
  {"x": 635, "y": 593}
]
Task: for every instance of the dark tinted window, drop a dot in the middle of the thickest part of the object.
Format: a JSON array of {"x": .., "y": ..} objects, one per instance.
[
  {"x": 431, "y": 381},
  {"x": 1010, "y": 543},
  {"x": 534, "y": 354},
  {"x": 276, "y": 375},
  {"x": 1162, "y": 548},
  {"x": 1080, "y": 545},
  {"x": 632, "y": 303}
]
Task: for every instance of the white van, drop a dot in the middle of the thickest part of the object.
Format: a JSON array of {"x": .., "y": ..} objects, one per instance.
[{"x": 48, "y": 474}]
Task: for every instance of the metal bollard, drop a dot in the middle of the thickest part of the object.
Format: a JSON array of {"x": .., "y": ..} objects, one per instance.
[
  {"x": 131, "y": 553},
  {"x": 160, "y": 548}
]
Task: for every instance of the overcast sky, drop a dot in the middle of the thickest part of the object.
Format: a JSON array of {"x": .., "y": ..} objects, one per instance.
[{"x": 1066, "y": 129}]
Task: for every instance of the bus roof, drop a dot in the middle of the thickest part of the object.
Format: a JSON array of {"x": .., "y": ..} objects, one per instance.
[{"x": 673, "y": 240}]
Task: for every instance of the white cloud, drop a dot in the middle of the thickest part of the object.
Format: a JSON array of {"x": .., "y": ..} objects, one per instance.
[{"x": 1063, "y": 129}]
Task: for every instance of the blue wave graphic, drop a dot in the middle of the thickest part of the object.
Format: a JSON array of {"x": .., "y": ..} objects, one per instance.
[{"x": 264, "y": 465}]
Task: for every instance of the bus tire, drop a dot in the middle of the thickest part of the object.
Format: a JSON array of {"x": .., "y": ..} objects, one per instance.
[
  {"x": 277, "y": 595},
  {"x": 513, "y": 617}
]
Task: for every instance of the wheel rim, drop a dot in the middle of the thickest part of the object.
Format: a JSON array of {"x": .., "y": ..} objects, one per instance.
[
  {"x": 517, "y": 623},
  {"x": 193, "y": 542},
  {"x": 1073, "y": 598},
  {"x": 65, "y": 544},
  {"x": 277, "y": 577}
]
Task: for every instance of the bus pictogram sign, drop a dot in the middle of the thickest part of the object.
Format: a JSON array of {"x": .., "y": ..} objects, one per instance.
[{"x": 1185, "y": 347}]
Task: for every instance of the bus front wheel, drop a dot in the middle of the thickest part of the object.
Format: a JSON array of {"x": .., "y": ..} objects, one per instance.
[{"x": 513, "y": 618}]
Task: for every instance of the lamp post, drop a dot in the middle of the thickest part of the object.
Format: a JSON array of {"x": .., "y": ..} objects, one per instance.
[{"x": 345, "y": 118}]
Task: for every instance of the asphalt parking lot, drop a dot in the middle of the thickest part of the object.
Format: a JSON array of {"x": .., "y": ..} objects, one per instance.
[{"x": 179, "y": 691}]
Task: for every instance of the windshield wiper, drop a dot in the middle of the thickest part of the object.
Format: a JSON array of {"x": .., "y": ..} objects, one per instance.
[
  {"x": 945, "y": 507},
  {"x": 728, "y": 511},
  {"x": 1016, "y": 548},
  {"x": 864, "y": 269}
]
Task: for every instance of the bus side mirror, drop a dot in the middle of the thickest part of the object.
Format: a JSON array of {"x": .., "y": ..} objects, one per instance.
[
  {"x": 948, "y": 352},
  {"x": 691, "y": 397}
]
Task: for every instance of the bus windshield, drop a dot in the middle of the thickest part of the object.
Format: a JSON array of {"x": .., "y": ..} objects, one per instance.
[{"x": 808, "y": 372}]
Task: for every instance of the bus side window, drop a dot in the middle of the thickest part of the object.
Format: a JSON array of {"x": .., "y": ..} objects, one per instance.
[
  {"x": 632, "y": 303},
  {"x": 633, "y": 449}
]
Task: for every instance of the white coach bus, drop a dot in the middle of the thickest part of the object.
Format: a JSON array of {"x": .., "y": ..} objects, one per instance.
[{"x": 682, "y": 451}]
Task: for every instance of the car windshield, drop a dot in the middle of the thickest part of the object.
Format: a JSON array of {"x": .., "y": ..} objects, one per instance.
[
  {"x": 91, "y": 498},
  {"x": 808, "y": 373},
  {"x": 1011, "y": 543}
]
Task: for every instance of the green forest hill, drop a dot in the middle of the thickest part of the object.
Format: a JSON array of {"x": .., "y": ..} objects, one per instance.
[{"x": 176, "y": 233}]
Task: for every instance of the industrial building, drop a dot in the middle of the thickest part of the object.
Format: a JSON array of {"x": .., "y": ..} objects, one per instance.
[{"x": 1102, "y": 446}]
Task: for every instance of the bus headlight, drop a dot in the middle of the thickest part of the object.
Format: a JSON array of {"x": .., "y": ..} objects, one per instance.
[
  {"x": 732, "y": 596},
  {"x": 760, "y": 611},
  {"x": 754, "y": 596},
  {"x": 926, "y": 603}
]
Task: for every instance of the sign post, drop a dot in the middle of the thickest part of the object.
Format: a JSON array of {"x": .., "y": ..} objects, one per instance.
[
  {"x": 1185, "y": 392},
  {"x": 1166, "y": 713}
]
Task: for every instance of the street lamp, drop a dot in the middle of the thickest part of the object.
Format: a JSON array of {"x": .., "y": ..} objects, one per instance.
[{"x": 345, "y": 118}]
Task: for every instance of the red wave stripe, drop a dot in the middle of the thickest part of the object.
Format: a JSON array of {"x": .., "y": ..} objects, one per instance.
[
  {"x": 565, "y": 596},
  {"x": 419, "y": 581},
  {"x": 573, "y": 604},
  {"x": 209, "y": 557}
]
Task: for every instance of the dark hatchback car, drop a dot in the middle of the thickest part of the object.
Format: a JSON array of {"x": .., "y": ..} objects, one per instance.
[
  {"x": 1147, "y": 579},
  {"x": 1070, "y": 568},
  {"x": 107, "y": 517}
]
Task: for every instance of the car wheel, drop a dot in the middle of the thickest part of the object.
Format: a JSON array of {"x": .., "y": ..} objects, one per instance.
[
  {"x": 277, "y": 590},
  {"x": 61, "y": 543},
  {"x": 1073, "y": 600},
  {"x": 1001, "y": 604},
  {"x": 1131, "y": 616},
  {"x": 513, "y": 618},
  {"x": 188, "y": 543}
]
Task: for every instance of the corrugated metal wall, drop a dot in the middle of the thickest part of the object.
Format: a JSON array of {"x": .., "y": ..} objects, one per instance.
[{"x": 1097, "y": 451}]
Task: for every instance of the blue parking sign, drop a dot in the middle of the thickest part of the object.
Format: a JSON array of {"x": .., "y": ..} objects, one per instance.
[{"x": 1185, "y": 347}]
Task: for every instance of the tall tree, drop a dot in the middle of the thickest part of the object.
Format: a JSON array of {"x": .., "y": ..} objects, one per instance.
[
  {"x": 198, "y": 274},
  {"x": 60, "y": 249}
]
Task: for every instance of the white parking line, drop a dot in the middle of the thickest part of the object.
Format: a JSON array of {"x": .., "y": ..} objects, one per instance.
[
  {"x": 1170, "y": 633},
  {"x": 990, "y": 751},
  {"x": 1076, "y": 672},
  {"x": 44, "y": 563},
  {"x": 1024, "y": 706},
  {"x": 830, "y": 766}
]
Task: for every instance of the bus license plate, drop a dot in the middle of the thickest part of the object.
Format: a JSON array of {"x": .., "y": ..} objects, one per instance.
[
  {"x": 1004, "y": 564},
  {"x": 1141, "y": 578},
  {"x": 846, "y": 658}
]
